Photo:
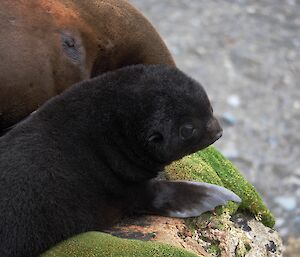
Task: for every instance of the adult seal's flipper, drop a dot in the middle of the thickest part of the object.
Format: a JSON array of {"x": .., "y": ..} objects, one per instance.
[{"x": 184, "y": 199}]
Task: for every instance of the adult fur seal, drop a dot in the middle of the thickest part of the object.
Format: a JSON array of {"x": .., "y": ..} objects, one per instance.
[
  {"x": 48, "y": 45},
  {"x": 91, "y": 153}
]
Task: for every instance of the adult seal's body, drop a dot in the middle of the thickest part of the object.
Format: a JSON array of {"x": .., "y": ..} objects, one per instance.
[
  {"x": 91, "y": 153},
  {"x": 48, "y": 45}
]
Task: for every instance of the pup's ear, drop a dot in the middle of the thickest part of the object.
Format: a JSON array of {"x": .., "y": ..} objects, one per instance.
[{"x": 184, "y": 198}]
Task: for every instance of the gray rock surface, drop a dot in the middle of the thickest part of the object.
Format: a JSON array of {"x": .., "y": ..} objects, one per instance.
[
  {"x": 225, "y": 236},
  {"x": 247, "y": 56}
]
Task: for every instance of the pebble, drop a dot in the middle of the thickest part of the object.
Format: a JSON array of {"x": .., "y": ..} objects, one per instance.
[
  {"x": 288, "y": 203},
  {"x": 284, "y": 231},
  {"x": 291, "y": 2},
  {"x": 251, "y": 10},
  {"x": 273, "y": 142},
  {"x": 200, "y": 50},
  {"x": 296, "y": 105},
  {"x": 174, "y": 50},
  {"x": 297, "y": 172},
  {"x": 297, "y": 219},
  {"x": 230, "y": 151},
  {"x": 234, "y": 101},
  {"x": 280, "y": 222},
  {"x": 228, "y": 118}
]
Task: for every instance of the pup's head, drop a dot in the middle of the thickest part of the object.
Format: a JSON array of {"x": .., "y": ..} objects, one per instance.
[{"x": 165, "y": 113}]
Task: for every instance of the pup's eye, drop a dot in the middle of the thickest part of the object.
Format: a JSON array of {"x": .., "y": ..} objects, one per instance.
[
  {"x": 156, "y": 137},
  {"x": 187, "y": 131}
]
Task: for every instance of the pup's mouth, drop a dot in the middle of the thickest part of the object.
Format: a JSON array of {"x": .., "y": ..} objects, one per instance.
[
  {"x": 216, "y": 137},
  {"x": 209, "y": 142},
  {"x": 202, "y": 144}
]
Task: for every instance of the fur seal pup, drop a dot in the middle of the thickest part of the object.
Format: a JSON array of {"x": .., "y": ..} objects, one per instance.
[
  {"x": 89, "y": 155},
  {"x": 48, "y": 45}
]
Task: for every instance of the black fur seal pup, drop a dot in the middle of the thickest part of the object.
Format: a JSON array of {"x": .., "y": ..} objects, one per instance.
[{"x": 90, "y": 154}]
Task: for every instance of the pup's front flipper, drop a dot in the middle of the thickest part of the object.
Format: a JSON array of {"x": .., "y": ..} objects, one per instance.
[{"x": 184, "y": 198}]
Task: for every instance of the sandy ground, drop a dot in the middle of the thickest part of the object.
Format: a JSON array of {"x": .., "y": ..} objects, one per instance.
[{"x": 247, "y": 56}]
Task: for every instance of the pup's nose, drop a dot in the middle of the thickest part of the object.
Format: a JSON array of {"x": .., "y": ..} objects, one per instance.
[{"x": 214, "y": 128}]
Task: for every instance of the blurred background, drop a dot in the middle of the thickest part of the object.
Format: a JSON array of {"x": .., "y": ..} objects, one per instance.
[{"x": 247, "y": 56}]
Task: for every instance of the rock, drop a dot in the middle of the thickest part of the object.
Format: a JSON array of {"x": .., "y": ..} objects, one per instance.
[
  {"x": 297, "y": 220},
  {"x": 239, "y": 235},
  {"x": 159, "y": 229},
  {"x": 296, "y": 105},
  {"x": 234, "y": 101},
  {"x": 230, "y": 151},
  {"x": 210, "y": 166},
  {"x": 280, "y": 222},
  {"x": 293, "y": 247},
  {"x": 200, "y": 50},
  {"x": 273, "y": 142},
  {"x": 228, "y": 119},
  {"x": 251, "y": 10},
  {"x": 288, "y": 203},
  {"x": 297, "y": 172}
]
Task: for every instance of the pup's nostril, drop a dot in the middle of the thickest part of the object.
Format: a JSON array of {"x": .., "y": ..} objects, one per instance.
[
  {"x": 213, "y": 125},
  {"x": 156, "y": 137}
]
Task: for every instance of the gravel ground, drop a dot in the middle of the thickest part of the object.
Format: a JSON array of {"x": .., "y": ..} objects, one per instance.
[{"x": 247, "y": 56}]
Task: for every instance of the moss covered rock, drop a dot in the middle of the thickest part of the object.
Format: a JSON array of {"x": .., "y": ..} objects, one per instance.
[
  {"x": 210, "y": 166},
  {"x": 97, "y": 244}
]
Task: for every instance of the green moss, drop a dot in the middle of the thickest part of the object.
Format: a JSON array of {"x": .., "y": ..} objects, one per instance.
[
  {"x": 210, "y": 166},
  {"x": 193, "y": 168},
  {"x": 97, "y": 244}
]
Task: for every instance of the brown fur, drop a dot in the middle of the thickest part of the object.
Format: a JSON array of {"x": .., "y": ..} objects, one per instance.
[{"x": 34, "y": 66}]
